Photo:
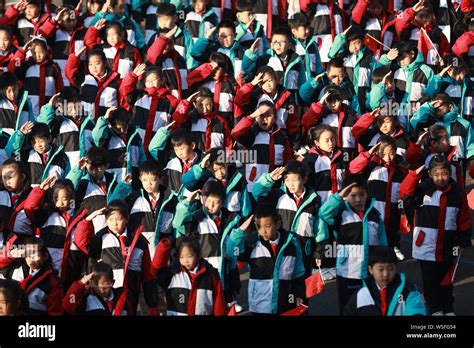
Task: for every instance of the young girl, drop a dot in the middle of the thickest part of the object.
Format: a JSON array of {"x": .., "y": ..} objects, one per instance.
[
  {"x": 442, "y": 228},
  {"x": 121, "y": 56},
  {"x": 210, "y": 129},
  {"x": 383, "y": 172},
  {"x": 7, "y": 49},
  {"x": 98, "y": 84},
  {"x": 192, "y": 276},
  {"x": 151, "y": 102},
  {"x": 217, "y": 75},
  {"x": 12, "y": 298},
  {"x": 40, "y": 75}
]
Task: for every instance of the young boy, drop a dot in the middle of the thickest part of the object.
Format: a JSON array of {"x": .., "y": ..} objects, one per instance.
[
  {"x": 249, "y": 29},
  {"x": 211, "y": 225},
  {"x": 276, "y": 282},
  {"x": 126, "y": 251},
  {"x": 92, "y": 295},
  {"x": 72, "y": 129},
  {"x": 42, "y": 285},
  {"x": 358, "y": 226},
  {"x": 305, "y": 47},
  {"x": 335, "y": 76},
  {"x": 385, "y": 292},
  {"x": 114, "y": 132},
  {"x": 296, "y": 203},
  {"x": 184, "y": 147},
  {"x": 200, "y": 17},
  {"x": 261, "y": 136},
  {"x": 287, "y": 65},
  {"x": 332, "y": 110},
  {"x": 44, "y": 159},
  {"x": 442, "y": 228},
  {"x": 359, "y": 61}
]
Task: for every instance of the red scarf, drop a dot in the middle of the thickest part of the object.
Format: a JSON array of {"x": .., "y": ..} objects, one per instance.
[
  {"x": 102, "y": 84},
  {"x": 156, "y": 93}
]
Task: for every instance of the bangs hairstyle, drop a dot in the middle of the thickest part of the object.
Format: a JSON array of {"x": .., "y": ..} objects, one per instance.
[
  {"x": 358, "y": 179},
  {"x": 382, "y": 254},
  {"x": 213, "y": 188},
  {"x": 266, "y": 209},
  {"x": 182, "y": 136},
  {"x": 64, "y": 184},
  {"x": 314, "y": 133},
  {"x": 191, "y": 243},
  {"x": 21, "y": 168},
  {"x": 117, "y": 206},
  {"x": 151, "y": 167},
  {"x": 439, "y": 162},
  {"x": 295, "y": 167},
  {"x": 102, "y": 269}
]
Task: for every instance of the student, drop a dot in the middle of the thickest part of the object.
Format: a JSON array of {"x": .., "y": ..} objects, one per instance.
[
  {"x": 276, "y": 284},
  {"x": 381, "y": 93},
  {"x": 198, "y": 113},
  {"x": 7, "y": 48},
  {"x": 12, "y": 298},
  {"x": 122, "y": 57},
  {"x": 385, "y": 292},
  {"x": 331, "y": 110},
  {"x": 249, "y": 29},
  {"x": 384, "y": 173},
  {"x": 114, "y": 132},
  {"x": 442, "y": 228},
  {"x": 200, "y": 17},
  {"x": 359, "y": 60},
  {"x": 40, "y": 75},
  {"x": 93, "y": 6},
  {"x": 358, "y": 226},
  {"x": 98, "y": 85},
  {"x": 152, "y": 103},
  {"x": 92, "y": 294},
  {"x": 151, "y": 20},
  {"x": 42, "y": 157},
  {"x": 126, "y": 251},
  {"x": 191, "y": 274},
  {"x": 259, "y": 132},
  {"x": 296, "y": 203},
  {"x": 72, "y": 129},
  {"x": 42, "y": 286}
]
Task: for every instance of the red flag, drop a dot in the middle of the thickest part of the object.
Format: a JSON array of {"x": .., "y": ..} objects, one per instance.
[
  {"x": 314, "y": 284},
  {"x": 232, "y": 312},
  {"x": 295, "y": 312},
  {"x": 371, "y": 43},
  {"x": 424, "y": 44}
]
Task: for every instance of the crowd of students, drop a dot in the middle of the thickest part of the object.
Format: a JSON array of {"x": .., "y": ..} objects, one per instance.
[{"x": 152, "y": 152}]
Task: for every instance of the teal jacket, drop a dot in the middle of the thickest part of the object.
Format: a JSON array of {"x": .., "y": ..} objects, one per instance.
[
  {"x": 439, "y": 84},
  {"x": 310, "y": 70}
]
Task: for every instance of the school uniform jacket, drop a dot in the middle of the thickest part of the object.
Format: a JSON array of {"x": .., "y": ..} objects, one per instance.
[
  {"x": 442, "y": 218},
  {"x": 197, "y": 24},
  {"x": 14, "y": 218},
  {"x": 22, "y": 27},
  {"x": 15, "y": 114},
  {"x": 309, "y": 52},
  {"x": 87, "y": 302}
]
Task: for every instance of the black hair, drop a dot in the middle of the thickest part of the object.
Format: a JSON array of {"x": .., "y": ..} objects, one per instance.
[
  {"x": 70, "y": 94},
  {"x": 244, "y": 5},
  {"x": 222, "y": 61},
  {"x": 226, "y": 24},
  {"x": 215, "y": 189},
  {"x": 405, "y": 48},
  {"x": 382, "y": 254},
  {"x": 151, "y": 167},
  {"x": 385, "y": 141},
  {"x": 100, "y": 2},
  {"x": 116, "y": 25},
  {"x": 98, "y": 156},
  {"x": 295, "y": 167},
  {"x": 166, "y": 9},
  {"x": 218, "y": 156},
  {"x": 444, "y": 98},
  {"x": 298, "y": 20},
  {"x": 458, "y": 64},
  {"x": 282, "y": 31},
  {"x": 182, "y": 136},
  {"x": 266, "y": 209},
  {"x": 379, "y": 73},
  {"x": 314, "y": 133},
  {"x": 64, "y": 184},
  {"x": 8, "y": 79},
  {"x": 335, "y": 94},
  {"x": 120, "y": 116},
  {"x": 205, "y": 92},
  {"x": 117, "y": 205},
  {"x": 102, "y": 269},
  {"x": 21, "y": 168},
  {"x": 97, "y": 52},
  {"x": 266, "y": 69},
  {"x": 191, "y": 243},
  {"x": 39, "y": 130},
  {"x": 14, "y": 294},
  {"x": 38, "y": 42},
  {"x": 439, "y": 161},
  {"x": 355, "y": 33},
  {"x": 335, "y": 63},
  {"x": 34, "y": 2},
  {"x": 8, "y": 30},
  {"x": 434, "y": 132},
  {"x": 270, "y": 105},
  {"x": 40, "y": 245},
  {"x": 358, "y": 179},
  {"x": 381, "y": 119}
]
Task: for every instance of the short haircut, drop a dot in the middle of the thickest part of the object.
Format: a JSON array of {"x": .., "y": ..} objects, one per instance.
[
  {"x": 34, "y": 2},
  {"x": 213, "y": 188},
  {"x": 282, "y": 31},
  {"x": 39, "y": 130},
  {"x": 335, "y": 94},
  {"x": 205, "y": 92},
  {"x": 70, "y": 94},
  {"x": 20, "y": 167},
  {"x": 102, "y": 269},
  {"x": 405, "y": 48},
  {"x": 298, "y": 20},
  {"x": 379, "y": 73},
  {"x": 97, "y": 53},
  {"x": 265, "y": 69},
  {"x": 443, "y": 97},
  {"x": 385, "y": 141},
  {"x": 182, "y": 136},
  {"x": 337, "y": 63},
  {"x": 382, "y": 254},
  {"x": 166, "y": 9},
  {"x": 295, "y": 167},
  {"x": 120, "y": 116},
  {"x": 270, "y": 105},
  {"x": 226, "y": 24},
  {"x": 151, "y": 167},
  {"x": 119, "y": 206},
  {"x": 191, "y": 243},
  {"x": 355, "y": 33},
  {"x": 40, "y": 245},
  {"x": 98, "y": 156},
  {"x": 14, "y": 294},
  {"x": 8, "y": 79},
  {"x": 435, "y": 132},
  {"x": 266, "y": 209},
  {"x": 244, "y": 5},
  {"x": 358, "y": 179},
  {"x": 439, "y": 161}
]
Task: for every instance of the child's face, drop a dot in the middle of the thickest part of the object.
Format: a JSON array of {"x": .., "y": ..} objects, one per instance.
[
  {"x": 406, "y": 60},
  {"x": 184, "y": 152},
  {"x": 387, "y": 127},
  {"x": 119, "y": 10},
  {"x": 326, "y": 142},
  {"x": 40, "y": 144},
  {"x": 34, "y": 257},
  {"x": 166, "y": 22},
  {"x": 334, "y": 104},
  {"x": 267, "y": 228},
  {"x": 300, "y": 33},
  {"x": 39, "y": 54},
  {"x": 119, "y": 128},
  {"x": 440, "y": 176},
  {"x": 32, "y": 11},
  {"x": 150, "y": 182},
  {"x": 69, "y": 21},
  {"x": 73, "y": 110},
  {"x": 294, "y": 183},
  {"x": 443, "y": 109},
  {"x": 388, "y": 154},
  {"x": 12, "y": 179},
  {"x": 458, "y": 76},
  {"x": 219, "y": 170},
  {"x": 226, "y": 37},
  {"x": 442, "y": 144},
  {"x": 11, "y": 92},
  {"x": 204, "y": 105},
  {"x": 357, "y": 198},
  {"x": 336, "y": 75},
  {"x": 96, "y": 66},
  {"x": 103, "y": 286},
  {"x": 268, "y": 84},
  {"x": 389, "y": 85},
  {"x": 245, "y": 17},
  {"x": 188, "y": 258},
  {"x": 212, "y": 204},
  {"x": 383, "y": 273},
  {"x": 424, "y": 17},
  {"x": 63, "y": 201},
  {"x": 280, "y": 44},
  {"x": 153, "y": 80},
  {"x": 113, "y": 36},
  {"x": 266, "y": 121},
  {"x": 5, "y": 41},
  {"x": 97, "y": 172},
  {"x": 199, "y": 5},
  {"x": 355, "y": 46},
  {"x": 116, "y": 222},
  {"x": 6, "y": 307}
]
